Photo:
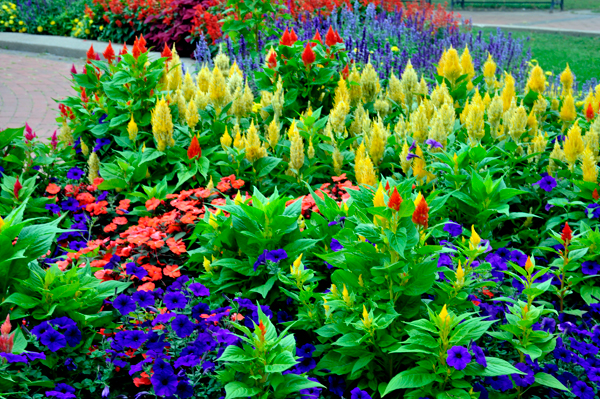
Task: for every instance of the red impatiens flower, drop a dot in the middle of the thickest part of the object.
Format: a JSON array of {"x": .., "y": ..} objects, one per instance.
[
  {"x": 52, "y": 189},
  {"x": 308, "y": 55},
  {"x": 109, "y": 53},
  {"x": 110, "y": 228},
  {"x": 395, "y": 200},
  {"x": 177, "y": 247},
  {"x": 120, "y": 221},
  {"x": 567, "y": 234},
  {"x": 16, "y": 188},
  {"x": 286, "y": 39},
  {"x": 152, "y": 204},
  {"x": 194, "y": 151},
  {"x": 172, "y": 271}
]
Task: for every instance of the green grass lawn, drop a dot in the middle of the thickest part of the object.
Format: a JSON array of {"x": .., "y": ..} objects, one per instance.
[
  {"x": 553, "y": 51},
  {"x": 569, "y": 4}
]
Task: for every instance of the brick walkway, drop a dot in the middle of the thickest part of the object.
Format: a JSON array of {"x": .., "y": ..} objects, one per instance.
[
  {"x": 580, "y": 20},
  {"x": 28, "y": 84}
]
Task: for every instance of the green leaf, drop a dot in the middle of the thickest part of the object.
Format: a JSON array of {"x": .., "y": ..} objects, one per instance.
[
  {"x": 550, "y": 381},
  {"x": 234, "y": 354},
  {"x": 281, "y": 362},
  {"x": 238, "y": 389},
  {"x": 22, "y": 300},
  {"x": 413, "y": 378},
  {"x": 265, "y": 165},
  {"x": 495, "y": 367},
  {"x": 350, "y": 339},
  {"x": 110, "y": 184},
  {"x": 266, "y": 287}
]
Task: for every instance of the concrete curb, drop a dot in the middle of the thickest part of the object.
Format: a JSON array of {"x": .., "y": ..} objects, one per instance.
[
  {"x": 536, "y": 29},
  {"x": 59, "y": 45}
]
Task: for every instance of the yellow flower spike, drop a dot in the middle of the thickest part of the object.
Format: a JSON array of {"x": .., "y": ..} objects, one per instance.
[
  {"x": 460, "y": 274},
  {"x": 206, "y": 265},
  {"x": 529, "y": 265},
  {"x": 475, "y": 239},
  {"x": 537, "y": 80},
  {"x": 238, "y": 198},
  {"x": 365, "y": 317},
  {"x": 1, "y": 223},
  {"x": 361, "y": 281},
  {"x": 379, "y": 200},
  {"x": 568, "y": 112},
  {"x": 346, "y": 295},
  {"x": 211, "y": 184},
  {"x": 588, "y": 166},
  {"x": 226, "y": 139},
  {"x": 213, "y": 221},
  {"x": 132, "y": 129},
  {"x": 361, "y": 238},
  {"x": 325, "y": 305},
  {"x": 444, "y": 316},
  {"x": 298, "y": 261},
  {"x": 334, "y": 290}
]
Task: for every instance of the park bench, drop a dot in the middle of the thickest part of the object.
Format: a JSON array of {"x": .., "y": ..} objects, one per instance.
[{"x": 552, "y": 3}]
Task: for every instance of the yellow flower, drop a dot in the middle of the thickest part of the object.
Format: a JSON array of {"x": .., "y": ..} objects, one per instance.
[
  {"x": 132, "y": 129},
  {"x": 76, "y": 20},
  {"x": 537, "y": 80},
  {"x": 99, "y": 28},
  {"x": 475, "y": 239},
  {"x": 460, "y": 275},
  {"x": 528, "y": 265},
  {"x": 40, "y": 29},
  {"x": 588, "y": 166},
  {"x": 87, "y": 31},
  {"x": 444, "y": 316},
  {"x": 52, "y": 22},
  {"x": 379, "y": 200},
  {"x": 567, "y": 112},
  {"x": 395, "y": 49},
  {"x": 365, "y": 317},
  {"x": 1, "y": 223},
  {"x": 346, "y": 296},
  {"x": 21, "y": 22}
]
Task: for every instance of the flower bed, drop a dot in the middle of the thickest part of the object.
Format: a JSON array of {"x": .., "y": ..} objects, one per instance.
[{"x": 330, "y": 234}]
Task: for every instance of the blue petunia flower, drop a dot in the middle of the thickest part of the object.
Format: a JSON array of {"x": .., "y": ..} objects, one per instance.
[
  {"x": 75, "y": 173},
  {"x": 453, "y": 228},
  {"x": 124, "y": 304},
  {"x": 547, "y": 183},
  {"x": 101, "y": 143},
  {"x": 277, "y": 255}
]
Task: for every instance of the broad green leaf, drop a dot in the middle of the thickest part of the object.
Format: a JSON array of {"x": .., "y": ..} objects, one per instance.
[
  {"x": 550, "y": 381},
  {"x": 413, "y": 378}
]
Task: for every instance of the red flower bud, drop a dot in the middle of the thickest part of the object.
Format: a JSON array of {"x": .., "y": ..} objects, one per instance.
[
  {"x": 421, "y": 214},
  {"x": 396, "y": 200},
  {"x": 5, "y": 329},
  {"x": 286, "y": 39},
  {"x": 263, "y": 330},
  {"x": 338, "y": 38},
  {"x": 589, "y": 112},
  {"x": 308, "y": 55},
  {"x": 317, "y": 37},
  {"x": 566, "y": 234},
  {"x": 123, "y": 50},
  {"x": 595, "y": 194},
  {"x": 17, "y": 187},
  {"x": 346, "y": 72},
  {"x": 91, "y": 55},
  {"x": 293, "y": 36},
  {"x": 194, "y": 150},
  {"x": 272, "y": 60},
  {"x": 109, "y": 53},
  {"x": 166, "y": 53},
  {"x": 330, "y": 38}
]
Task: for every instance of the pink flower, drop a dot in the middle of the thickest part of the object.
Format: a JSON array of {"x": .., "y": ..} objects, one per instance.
[
  {"x": 54, "y": 141},
  {"x": 29, "y": 133}
]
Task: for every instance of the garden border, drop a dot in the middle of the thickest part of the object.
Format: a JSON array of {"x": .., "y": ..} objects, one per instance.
[{"x": 61, "y": 46}]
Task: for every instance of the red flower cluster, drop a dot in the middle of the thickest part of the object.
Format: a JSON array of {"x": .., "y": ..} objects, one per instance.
[{"x": 338, "y": 192}]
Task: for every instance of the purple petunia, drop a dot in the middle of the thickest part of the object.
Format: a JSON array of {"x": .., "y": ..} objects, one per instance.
[
  {"x": 305, "y": 350},
  {"x": 453, "y": 228},
  {"x": 590, "y": 267},
  {"x": 357, "y": 393},
  {"x": 165, "y": 384},
  {"x": 12, "y": 358},
  {"x": 124, "y": 304},
  {"x": 199, "y": 289},
  {"x": 262, "y": 259},
  {"x": 182, "y": 326},
  {"x": 175, "y": 300},
  {"x": 546, "y": 183},
  {"x": 458, "y": 357},
  {"x": 184, "y": 390},
  {"x": 523, "y": 380},
  {"x": 277, "y": 255},
  {"x": 433, "y": 144},
  {"x": 583, "y": 391},
  {"x": 55, "y": 209},
  {"x": 501, "y": 382},
  {"x": 101, "y": 143},
  {"x": 53, "y": 340},
  {"x": 337, "y": 385},
  {"x": 479, "y": 355},
  {"x": 75, "y": 173},
  {"x": 143, "y": 298},
  {"x": 72, "y": 335},
  {"x": 134, "y": 270},
  {"x": 335, "y": 245},
  {"x": 70, "y": 204}
]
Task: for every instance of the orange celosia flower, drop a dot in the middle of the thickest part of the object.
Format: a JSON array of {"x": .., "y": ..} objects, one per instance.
[
  {"x": 566, "y": 234},
  {"x": 317, "y": 38},
  {"x": 589, "y": 112},
  {"x": 194, "y": 151},
  {"x": 286, "y": 39},
  {"x": 421, "y": 214},
  {"x": 308, "y": 55},
  {"x": 595, "y": 194},
  {"x": 109, "y": 53},
  {"x": 166, "y": 53},
  {"x": 395, "y": 200},
  {"x": 330, "y": 39}
]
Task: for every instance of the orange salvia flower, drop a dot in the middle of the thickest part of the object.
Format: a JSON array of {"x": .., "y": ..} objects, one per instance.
[
  {"x": 395, "y": 200},
  {"x": 194, "y": 150}
]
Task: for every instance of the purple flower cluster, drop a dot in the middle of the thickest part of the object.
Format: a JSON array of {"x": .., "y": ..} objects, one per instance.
[{"x": 58, "y": 333}]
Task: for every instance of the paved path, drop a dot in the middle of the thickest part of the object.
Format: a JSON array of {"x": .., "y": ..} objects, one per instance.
[
  {"x": 28, "y": 84},
  {"x": 580, "y": 20}
]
